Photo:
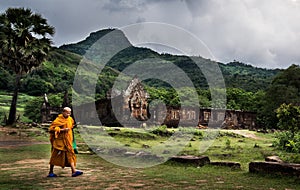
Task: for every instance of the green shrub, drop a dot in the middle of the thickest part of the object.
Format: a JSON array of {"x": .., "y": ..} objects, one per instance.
[
  {"x": 191, "y": 130},
  {"x": 287, "y": 141},
  {"x": 33, "y": 107},
  {"x": 289, "y": 117},
  {"x": 162, "y": 131}
]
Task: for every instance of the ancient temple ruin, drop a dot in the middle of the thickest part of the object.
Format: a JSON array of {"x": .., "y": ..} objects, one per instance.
[
  {"x": 130, "y": 108},
  {"x": 136, "y": 100}
]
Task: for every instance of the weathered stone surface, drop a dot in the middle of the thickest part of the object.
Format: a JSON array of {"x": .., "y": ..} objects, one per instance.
[
  {"x": 148, "y": 156},
  {"x": 275, "y": 168},
  {"x": 194, "y": 160},
  {"x": 85, "y": 152},
  {"x": 129, "y": 154},
  {"x": 273, "y": 159},
  {"x": 144, "y": 155},
  {"x": 117, "y": 151},
  {"x": 235, "y": 165}
]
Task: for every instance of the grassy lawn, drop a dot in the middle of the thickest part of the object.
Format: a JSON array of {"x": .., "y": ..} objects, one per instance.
[
  {"x": 26, "y": 167},
  {"x": 5, "y": 101}
]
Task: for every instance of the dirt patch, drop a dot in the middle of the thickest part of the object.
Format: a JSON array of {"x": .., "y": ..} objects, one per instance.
[
  {"x": 24, "y": 164},
  {"x": 245, "y": 133},
  {"x": 34, "y": 171}
]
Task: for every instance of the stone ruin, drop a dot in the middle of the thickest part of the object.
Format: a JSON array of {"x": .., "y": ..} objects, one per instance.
[{"x": 131, "y": 109}]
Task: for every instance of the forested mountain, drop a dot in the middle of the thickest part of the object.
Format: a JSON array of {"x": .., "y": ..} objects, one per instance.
[
  {"x": 247, "y": 77},
  {"x": 57, "y": 73},
  {"x": 236, "y": 74}
]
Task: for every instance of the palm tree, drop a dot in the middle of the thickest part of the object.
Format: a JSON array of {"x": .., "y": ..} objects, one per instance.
[{"x": 25, "y": 43}]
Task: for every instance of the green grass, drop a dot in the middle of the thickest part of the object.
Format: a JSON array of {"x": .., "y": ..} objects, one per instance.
[
  {"x": 228, "y": 146},
  {"x": 26, "y": 167},
  {"x": 5, "y": 101},
  {"x": 36, "y": 151},
  {"x": 212, "y": 177}
]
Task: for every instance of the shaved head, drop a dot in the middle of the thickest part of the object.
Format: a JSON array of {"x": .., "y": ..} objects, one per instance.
[{"x": 67, "y": 109}]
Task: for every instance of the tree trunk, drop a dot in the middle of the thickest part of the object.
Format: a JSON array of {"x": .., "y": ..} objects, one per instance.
[{"x": 13, "y": 107}]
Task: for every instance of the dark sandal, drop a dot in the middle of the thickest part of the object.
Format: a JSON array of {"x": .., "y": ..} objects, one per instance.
[
  {"x": 52, "y": 175},
  {"x": 77, "y": 173}
]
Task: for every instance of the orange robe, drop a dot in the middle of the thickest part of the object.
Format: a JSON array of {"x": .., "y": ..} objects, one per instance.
[{"x": 62, "y": 153}]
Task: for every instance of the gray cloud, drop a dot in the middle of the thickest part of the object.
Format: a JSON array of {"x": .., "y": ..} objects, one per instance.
[
  {"x": 263, "y": 33},
  {"x": 260, "y": 32},
  {"x": 125, "y": 5}
]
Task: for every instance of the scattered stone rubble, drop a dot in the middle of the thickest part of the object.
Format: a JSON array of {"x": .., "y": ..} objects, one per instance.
[
  {"x": 203, "y": 160},
  {"x": 274, "y": 165}
]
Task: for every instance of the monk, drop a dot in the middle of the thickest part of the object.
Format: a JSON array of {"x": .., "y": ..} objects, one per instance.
[{"x": 61, "y": 138}]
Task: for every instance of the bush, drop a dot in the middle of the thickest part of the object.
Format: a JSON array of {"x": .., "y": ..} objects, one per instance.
[
  {"x": 288, "y": 141},
  {"x": 36, "y": 86},
  {"x": 162, "y": 131},
  {"x": 191, "y": 130},
  {"x": 288, "y": 117},
  {"x": 33, "y": 107}
]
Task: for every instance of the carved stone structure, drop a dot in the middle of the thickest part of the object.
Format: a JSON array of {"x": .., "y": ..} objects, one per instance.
[
  {"x": 136, "y": 100},
  {"x": 127, "y": 108},
  {"x": 48, "y": 112}
]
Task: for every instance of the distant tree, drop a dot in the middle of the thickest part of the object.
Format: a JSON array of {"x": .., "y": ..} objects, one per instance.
[
  {"x": 24, "y": 45},
  {"x": 289, "y": 117},
  {"x": 285, "y": 88},
  {"x": 288, "y": 120},
  {"x": 240, "y": 99}
]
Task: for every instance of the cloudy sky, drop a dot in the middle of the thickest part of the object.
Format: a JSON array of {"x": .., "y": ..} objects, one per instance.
[{"x": 263, "y": 33}]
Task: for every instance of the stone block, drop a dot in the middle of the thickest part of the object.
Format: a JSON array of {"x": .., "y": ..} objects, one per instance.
[
  {"x": 193, "y": 160},
  {"x": 275, "y": 168},
  {"x": 235, "y": 165}
]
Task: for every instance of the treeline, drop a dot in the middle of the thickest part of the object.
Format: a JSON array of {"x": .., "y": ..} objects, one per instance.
[{"x": 54, "y": 75}]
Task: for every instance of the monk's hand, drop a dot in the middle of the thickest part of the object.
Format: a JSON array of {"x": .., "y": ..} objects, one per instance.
[{"x": 66, "y": 129}]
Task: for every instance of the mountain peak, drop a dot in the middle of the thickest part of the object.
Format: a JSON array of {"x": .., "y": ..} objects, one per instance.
[{"x": 82, "y": 46}]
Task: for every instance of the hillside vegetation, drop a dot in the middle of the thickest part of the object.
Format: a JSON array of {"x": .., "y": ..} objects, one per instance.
[{"x": 236, "y": 74}]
